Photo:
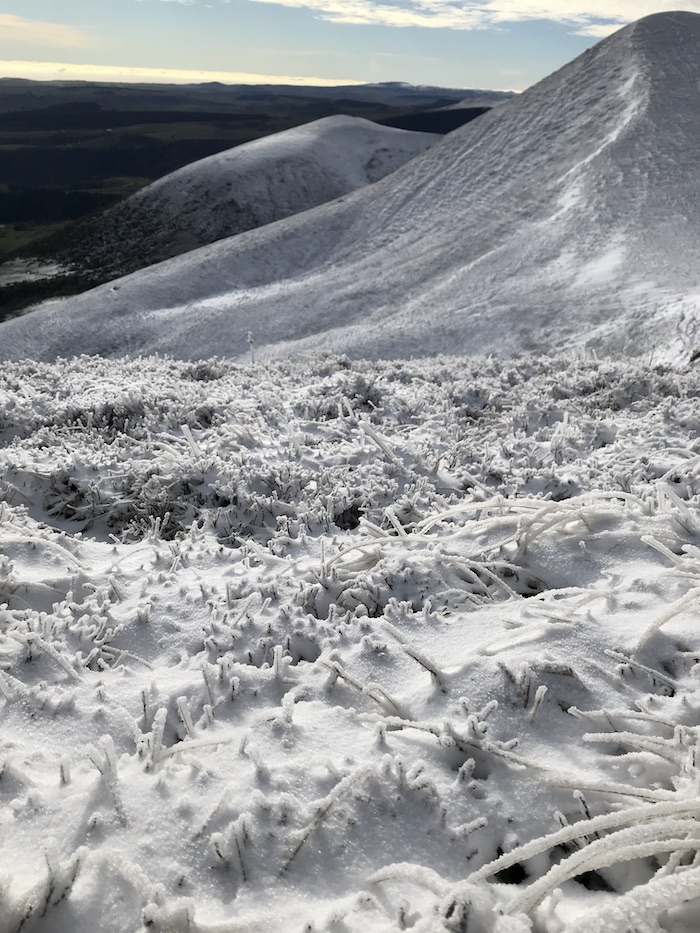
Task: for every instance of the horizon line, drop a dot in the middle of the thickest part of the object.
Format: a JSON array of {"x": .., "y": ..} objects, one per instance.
[{"x": 128, "y": 74}]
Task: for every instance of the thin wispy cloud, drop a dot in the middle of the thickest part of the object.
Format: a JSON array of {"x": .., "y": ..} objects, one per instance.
[
  {"x": 20, "y": 31},
  {"x": 594, "y": 19}
]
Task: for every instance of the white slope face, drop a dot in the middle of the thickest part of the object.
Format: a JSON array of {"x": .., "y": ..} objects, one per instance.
[
  {"x": 252, "y": 185},
  {"x": 565, "y": 217}
]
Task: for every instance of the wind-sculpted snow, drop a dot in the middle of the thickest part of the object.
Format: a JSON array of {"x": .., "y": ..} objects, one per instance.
[
  {"x": 349, "y": 646},
  {"x": 246, "y": 187},
  {"x": 565, "y": 217}
]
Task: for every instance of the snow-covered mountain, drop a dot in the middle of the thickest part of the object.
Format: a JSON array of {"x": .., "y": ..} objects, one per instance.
[
  {"x": 565, "y": 217},
  {"x": 247, "y": 187}
]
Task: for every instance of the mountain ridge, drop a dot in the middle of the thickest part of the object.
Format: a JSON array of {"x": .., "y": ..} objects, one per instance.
[
  {"x": 245, "y": 187},
  {"x": 564, "y": 218}
]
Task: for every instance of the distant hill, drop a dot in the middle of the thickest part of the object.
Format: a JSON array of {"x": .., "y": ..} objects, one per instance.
[
  {"x": 70, "y": 149},
  {"x": 243, "y": 188}
]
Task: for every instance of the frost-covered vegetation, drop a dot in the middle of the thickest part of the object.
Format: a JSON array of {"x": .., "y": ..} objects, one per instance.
[{"x": 336, "y": 646}]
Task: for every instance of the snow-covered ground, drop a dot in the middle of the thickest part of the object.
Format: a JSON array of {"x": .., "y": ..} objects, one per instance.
[
  {"x": 247, "y": 187},
  {"x": 27, "y": 270},
  {"x": 340, "y": 646},
  {"x": 568, "y": 216},
  {"x": 344, "y": 646}
]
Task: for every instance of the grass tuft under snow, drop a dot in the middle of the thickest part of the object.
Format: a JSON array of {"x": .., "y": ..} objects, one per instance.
[{"x": 340, "y": 646}]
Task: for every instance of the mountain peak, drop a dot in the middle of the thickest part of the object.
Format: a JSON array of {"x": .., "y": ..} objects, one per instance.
[
  {"x": 567, "y": 217},
  {"x": 667, "y": 34},
  {"x": 668, "y": 18},
  {"x": 239, "y": 189}
]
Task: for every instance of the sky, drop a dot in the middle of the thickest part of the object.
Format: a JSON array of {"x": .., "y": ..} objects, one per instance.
[{"x": 499, "y": 44}]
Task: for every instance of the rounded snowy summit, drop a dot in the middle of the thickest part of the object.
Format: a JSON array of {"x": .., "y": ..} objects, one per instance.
[{"x": 246, "y": 187}]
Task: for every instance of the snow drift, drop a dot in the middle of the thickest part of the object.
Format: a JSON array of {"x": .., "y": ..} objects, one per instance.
[
  {"x": 567, "y": 216},
  {"x": 247, "y": 187}
]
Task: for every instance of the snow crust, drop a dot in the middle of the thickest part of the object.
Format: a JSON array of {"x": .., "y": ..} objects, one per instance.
[
  {"x": 343, "y": 646},
  {"x": 567, "y": 216},
  {"x": 249, "y": 186}
]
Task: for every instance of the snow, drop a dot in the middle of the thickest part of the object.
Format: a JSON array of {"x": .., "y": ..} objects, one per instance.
[
  {"x": 249, "y": 186},
  {"x": 501, "y": 238},
  {"x": 27, "y": 270},
  {"x": 359, "y": 646}
]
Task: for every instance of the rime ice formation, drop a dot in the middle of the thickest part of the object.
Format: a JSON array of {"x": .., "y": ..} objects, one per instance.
[
  {"x": 361, "y": 647},
  {"x": 567, "y": 216},
  {"x": 247, "y": 187}
]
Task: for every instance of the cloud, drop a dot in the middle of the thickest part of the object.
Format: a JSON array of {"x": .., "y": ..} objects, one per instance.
[
  {"x": 598, "y": 30},
  {"x": 426, "y": 13},
  {"x": 60, "y": 71},
  {"x": 586, "y": 18},
  {"x": 17, "y": 30}
]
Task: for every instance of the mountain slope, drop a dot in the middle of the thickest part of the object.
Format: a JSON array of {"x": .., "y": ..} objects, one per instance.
[
  {"x": 565, "y": 217},
  {"x": 246, "y": 187}
]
